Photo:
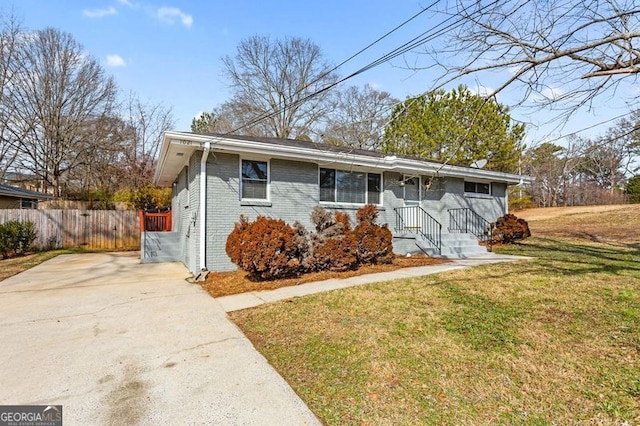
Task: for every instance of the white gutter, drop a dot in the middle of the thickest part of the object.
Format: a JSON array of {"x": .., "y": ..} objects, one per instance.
[
  {"x": 203, "y": 206},
  {"x": 403, "y": 165}
]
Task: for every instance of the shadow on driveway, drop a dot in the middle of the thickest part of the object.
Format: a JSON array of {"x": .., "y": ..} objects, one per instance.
[{"x": 118, "y": 342}]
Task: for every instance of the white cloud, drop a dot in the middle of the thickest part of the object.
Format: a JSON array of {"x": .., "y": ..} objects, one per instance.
[
  {"x": 552, "y": 93},
  {"x": 481, "y": 90},
  {"x": 115, "y": 60},
  {"x": 127, "y": 3},
  {"x": 170, "y": 14},
  {"x": 99, "y": 13},
  {"x": 513, "y": 70}
]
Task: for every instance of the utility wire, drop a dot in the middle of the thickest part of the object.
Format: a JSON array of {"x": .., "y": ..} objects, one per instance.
[
  {"x": 421, "y": 39},
  {"x": 589, "y": 127},
  {"x": 270, "y": 114}
]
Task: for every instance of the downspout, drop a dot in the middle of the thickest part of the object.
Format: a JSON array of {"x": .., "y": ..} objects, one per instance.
[{"x": 203, "y": 207}]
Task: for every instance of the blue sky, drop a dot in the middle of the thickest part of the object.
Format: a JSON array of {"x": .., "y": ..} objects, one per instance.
[{"x": 170, "y": 52}]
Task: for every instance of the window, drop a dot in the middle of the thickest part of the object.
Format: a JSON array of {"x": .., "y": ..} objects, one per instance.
[
  {"x": 477, "y": 187},
  {"x": 350, "y": 187},
  {"x": 374, "y": 188},
  {"x": 28, "y": 204},
  {"x": 327, "y": 185},
  {"x": 254, "y": 179}
]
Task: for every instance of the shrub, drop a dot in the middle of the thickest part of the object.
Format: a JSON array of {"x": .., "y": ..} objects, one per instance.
[
  {"x": 521, "y": 203},
  {"x": 144, "y": 198},
  {"x": 368, "y": 213},
  {"x": 27, "y": 234},
  {"x": 333, "y": 246},
  {"x": 510, "y": 228},
  {"x": 375, "y": 242},
  {"x": 632, "y": 189},
  {"x": 16, "y": 238},
  {"x": 266, "y": 249}
]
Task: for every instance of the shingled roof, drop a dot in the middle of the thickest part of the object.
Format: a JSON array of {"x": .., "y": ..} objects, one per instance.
[{"x": 12, "y": 191}]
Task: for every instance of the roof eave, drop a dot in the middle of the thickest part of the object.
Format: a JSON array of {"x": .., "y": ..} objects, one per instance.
[{"x": 219, "y": 143}]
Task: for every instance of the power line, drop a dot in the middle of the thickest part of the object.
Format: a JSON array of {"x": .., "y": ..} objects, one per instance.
[
  {"x": 421, "y": 39},
  {"x": 266, "y": 115},
  {"x": 589, "y": 127}
]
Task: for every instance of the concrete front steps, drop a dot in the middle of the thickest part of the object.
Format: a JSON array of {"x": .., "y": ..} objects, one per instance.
[
  {"x": 160, "y": 247},
  {"x": 454, "y": 246}
]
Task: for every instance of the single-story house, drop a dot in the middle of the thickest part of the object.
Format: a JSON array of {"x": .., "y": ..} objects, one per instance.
[
  {"x": 429, "y": 207},
  {"x": 12, "y": 197}
]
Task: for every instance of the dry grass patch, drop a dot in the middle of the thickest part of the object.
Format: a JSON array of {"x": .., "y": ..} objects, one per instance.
[
  {"x": 550, "y": 341},
  {"x": 618, "y": 223},
  {"x": 226, "y": 283}
]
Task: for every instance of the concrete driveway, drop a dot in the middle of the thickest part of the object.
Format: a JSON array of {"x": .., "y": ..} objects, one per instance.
[{"x": 118, "y": 342}]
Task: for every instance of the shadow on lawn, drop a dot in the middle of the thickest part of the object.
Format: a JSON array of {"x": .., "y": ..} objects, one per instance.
[{"x": 573, "y": 258}]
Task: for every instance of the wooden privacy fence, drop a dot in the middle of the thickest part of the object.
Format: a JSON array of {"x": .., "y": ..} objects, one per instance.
[
  {"x": 155, "y": 221},
  {"x": 94, "y": 229}
]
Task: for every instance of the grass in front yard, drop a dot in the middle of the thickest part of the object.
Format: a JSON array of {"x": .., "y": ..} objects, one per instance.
[{"x": 554, "y": 340}]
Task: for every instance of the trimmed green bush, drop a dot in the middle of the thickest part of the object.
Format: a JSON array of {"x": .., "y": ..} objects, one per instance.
[{"x": 16, "y": 238}]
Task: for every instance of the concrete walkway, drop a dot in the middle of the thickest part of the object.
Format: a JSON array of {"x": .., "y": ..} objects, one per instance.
[
  {"x": 118, "y": 342},
  {"x": 249, "y": 300}
]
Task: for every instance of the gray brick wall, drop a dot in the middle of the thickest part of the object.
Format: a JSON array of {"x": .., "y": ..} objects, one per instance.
[{"x": 293, "y": 193}]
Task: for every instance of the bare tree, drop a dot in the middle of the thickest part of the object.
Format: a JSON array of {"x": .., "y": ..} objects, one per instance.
[
  {"x": 608, "y": 160},
  {"x": 587, "y": 170},
  {"x": 56, "y": 89},
  {"x": 561, "y": 53},
  {"x": 145, "y": 122},
  {"x": 106, "y": 172},
  {"x": 359, "y": 117},
  {"x": 228, "y": 117},
  {"x": 272, "y": 81},
  {"x": 10, "y": 37},
  {"x": 552, "y": 168}
]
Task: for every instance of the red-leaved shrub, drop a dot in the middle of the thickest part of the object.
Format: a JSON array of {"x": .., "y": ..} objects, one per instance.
[
  {"x": 269, "y": 248},
  {"x": 509, "y": 228},
  {"x": 333, "y": 246},
  {"x": 374, "y": 241},
  {"x": 266, "y": 249}
]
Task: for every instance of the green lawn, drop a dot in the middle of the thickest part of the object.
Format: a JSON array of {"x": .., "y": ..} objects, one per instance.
[{"x": 554, "y": 340}]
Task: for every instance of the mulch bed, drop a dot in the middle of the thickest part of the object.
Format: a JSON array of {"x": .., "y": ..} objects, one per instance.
[{"x": 226, "y": 283}]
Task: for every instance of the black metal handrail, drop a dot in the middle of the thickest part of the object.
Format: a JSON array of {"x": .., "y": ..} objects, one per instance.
[
  {"x": 468, "y": 221},
  {"x": 415, "y": 219}
]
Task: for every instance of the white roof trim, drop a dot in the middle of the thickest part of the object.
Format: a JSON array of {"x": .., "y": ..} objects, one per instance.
[{"x": 172, "y": 141}]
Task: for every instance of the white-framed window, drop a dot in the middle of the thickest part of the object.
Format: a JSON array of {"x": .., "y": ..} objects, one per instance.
[
  {"x": 477, "y": 187},
  {"x": 352, "y": 187},
  {"x": 254, "y": 179}
]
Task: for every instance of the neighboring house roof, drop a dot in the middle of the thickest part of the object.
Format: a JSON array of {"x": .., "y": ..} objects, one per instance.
[
  {"x": 12, "y": 191},
  {"x": 177, "y": 148}
]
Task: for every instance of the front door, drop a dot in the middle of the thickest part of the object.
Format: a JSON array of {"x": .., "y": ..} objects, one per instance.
[
  {"x": 411, "y": 198},
  {"x": 411, "y": 191}
]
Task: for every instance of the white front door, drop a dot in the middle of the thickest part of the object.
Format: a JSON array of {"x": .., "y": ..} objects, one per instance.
[
  {"x": 411, "y": 191},
  {"x": 411, "y": 198}
]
